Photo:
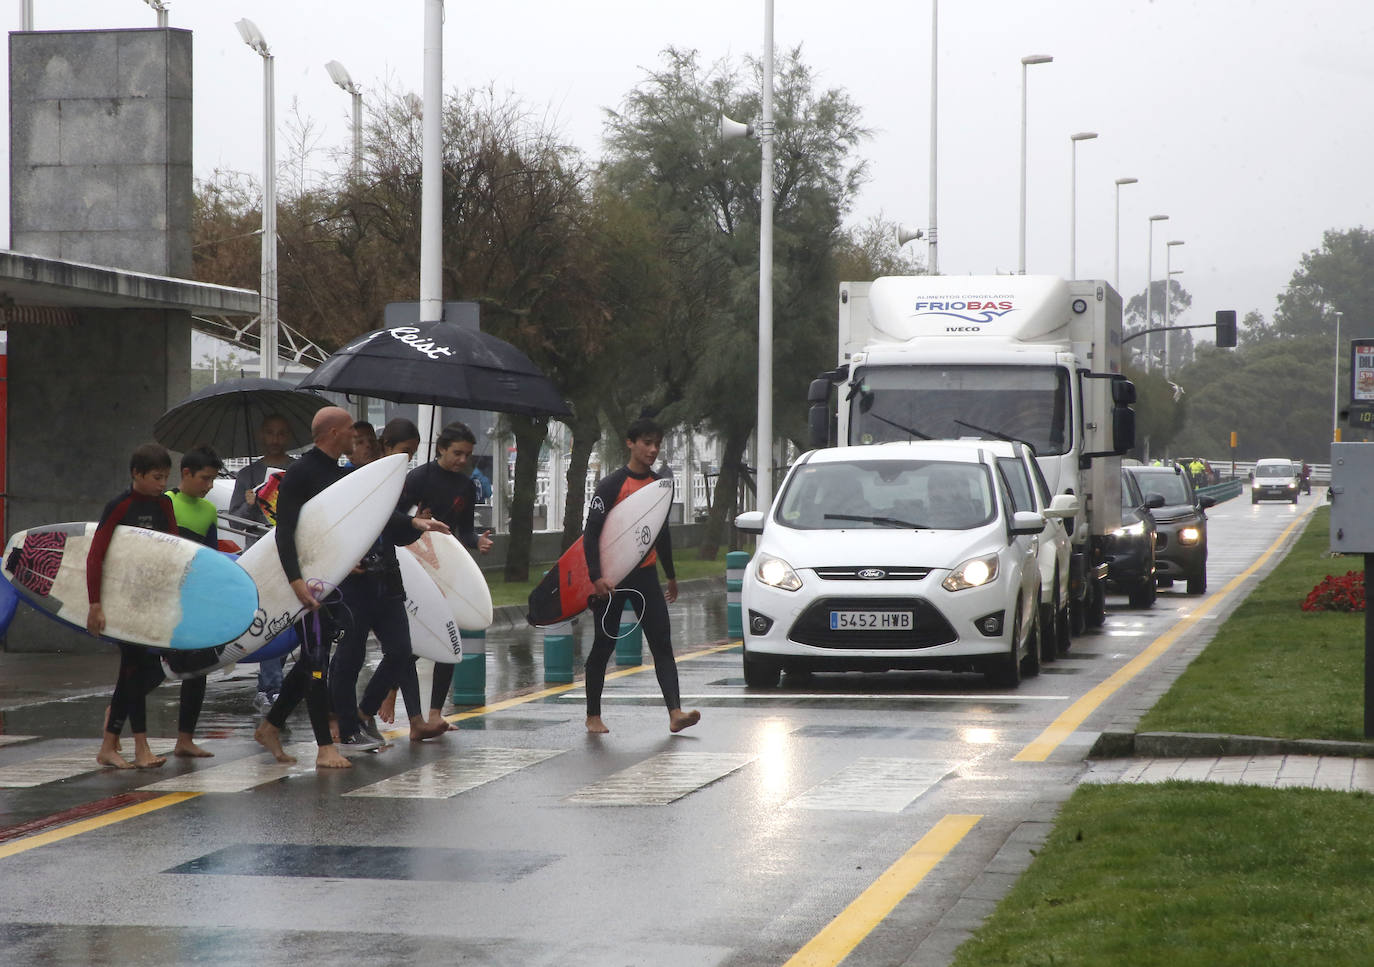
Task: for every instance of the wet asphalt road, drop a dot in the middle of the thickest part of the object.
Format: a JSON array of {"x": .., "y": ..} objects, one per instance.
[{"x": 521, "y": 840}]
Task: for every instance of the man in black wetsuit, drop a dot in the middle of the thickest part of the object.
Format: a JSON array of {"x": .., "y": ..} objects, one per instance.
[
  {"x": 332, "y": 429},
  {"x": 640, "y": 587}
]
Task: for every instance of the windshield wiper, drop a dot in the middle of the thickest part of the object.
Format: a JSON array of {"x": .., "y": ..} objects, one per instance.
[
  {"x": 884, "y": 521},
  {"x": 905, "y": 429},
  {"x": 998, "y": 436}
]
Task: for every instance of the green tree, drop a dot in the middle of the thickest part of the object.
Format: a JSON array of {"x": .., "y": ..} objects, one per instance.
[
  {"x": 1337, "y": 277},
  {"x": 1161, "y": 411},
  {"x": 870, "y": 250},
  {"x": 1180, "y": 343},
  {"x": 664, "y": 154}
]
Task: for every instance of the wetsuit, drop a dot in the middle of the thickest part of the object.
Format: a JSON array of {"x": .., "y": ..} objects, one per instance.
[
  {"x": 254, "y": 475},
  {"x": 197, "y": 520},
  {"x": 649, "y": 603},
  {"x": 450, "y": 496},
  {"x": 304, "y": 479},
  {"x": 139, "y": 669},
  {"x": 375, "y": 601}
]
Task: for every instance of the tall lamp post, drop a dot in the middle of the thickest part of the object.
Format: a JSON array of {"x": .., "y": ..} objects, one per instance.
[
  {"x": 1168, "y": 275},
  {"x": 339, "y": 75},
  {"x": 932, "y": 250},
  {"x": 161, "y": 7},
  {"x": 1116, "y": 262},
  {"x": 267, "y": 312},
  {"x": 1073, "y": 199},
  {"x": 1149, "y": 284},
  {"x": 1021, "y": 237},
  {"x": 1336, "y": 385},
  {"x": 763, "y": 433}
]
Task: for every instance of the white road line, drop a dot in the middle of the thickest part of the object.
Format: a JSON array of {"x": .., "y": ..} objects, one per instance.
[
  {"x": 54, "y": 768},
  {"x": 875, "y": 785},
  {"x": 661, "y": 780},
  {"x": 443, "y": 780},
  {"x": 12, "y": 739},
  {"x": 872, "y": 696},
  {"x": 241, "y": 774}
]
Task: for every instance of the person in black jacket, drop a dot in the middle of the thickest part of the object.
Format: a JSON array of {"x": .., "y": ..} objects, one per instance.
[{"x": 640, "y": 587}]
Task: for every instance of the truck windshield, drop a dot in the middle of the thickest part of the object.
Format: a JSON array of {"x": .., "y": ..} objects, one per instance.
[{"x": 1029, "y": 403}]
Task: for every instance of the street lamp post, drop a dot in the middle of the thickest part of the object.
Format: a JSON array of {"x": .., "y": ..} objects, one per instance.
[
  {"x": 932, "y": 249},
  {"x": 1021, "y": 237},
  {"x": 1168, "y": 249},
  {"x": 1073, "y": 199},
  {"x": 339, "y": 75},
  {"x": 1149, "y": 284},
  {"x": 1336, "y": 385},
  {"x": 267, "y": 312},
  {"x": 1116, "y": 262},
  {"x": 763, "y": 444},
  {"x": 161, "y": 7}
]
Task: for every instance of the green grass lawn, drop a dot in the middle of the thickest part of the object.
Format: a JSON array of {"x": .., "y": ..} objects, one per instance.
[
  {"x": 1274, "y": 669},
  {"x": 689, "y": 566},
  {"x": 1192, "y": 875}
]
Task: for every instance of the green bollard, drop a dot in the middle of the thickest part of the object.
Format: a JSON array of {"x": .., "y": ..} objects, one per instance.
[
  {"x": 735, "y": 564},
  {"x": 558, "y": 653},
  {"x": 470, "y": 674},
  {"x": 629, "y": 647}
]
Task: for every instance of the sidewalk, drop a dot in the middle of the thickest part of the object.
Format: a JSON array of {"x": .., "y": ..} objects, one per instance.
[{"x": 1272, "y": 771}]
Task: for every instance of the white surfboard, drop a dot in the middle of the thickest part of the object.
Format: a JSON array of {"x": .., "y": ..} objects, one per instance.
[
  {"x": 632, "y": 526},
  {"x": 460, "y": 580},
  {"x": 336, "y": 528},
  {"x": 433, "y": 631},
  {"x": 157, "y": 589}
]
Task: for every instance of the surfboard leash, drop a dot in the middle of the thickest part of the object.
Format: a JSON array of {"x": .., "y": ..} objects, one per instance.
[{"x": 638, "y": 620}]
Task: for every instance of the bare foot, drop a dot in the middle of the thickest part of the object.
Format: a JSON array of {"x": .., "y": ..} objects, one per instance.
[
  {"x": 387, "y": 712},
  {"x": 436, "y": 717},
  {"x": 329, "y": 758},
  {"x": 421, "y": 730},
  {"x": 113, "y": 759},
  {"x": 594, "y": 724},
  {"x": 268, "y": 736},
  {"x": 679, "y": 720},
  {"x": 149, "y": 761},
  {"x": 187, "y": 749}
]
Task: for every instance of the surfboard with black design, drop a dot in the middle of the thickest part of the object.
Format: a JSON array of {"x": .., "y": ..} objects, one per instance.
[{"x": 628, "y": 535}]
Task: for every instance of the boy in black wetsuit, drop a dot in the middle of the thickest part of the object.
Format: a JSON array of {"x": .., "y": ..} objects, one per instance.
[
  {"x": 640, "y": 587},
  {"x": 144, "y": 504},
  {"x": 442, "y": 490}
]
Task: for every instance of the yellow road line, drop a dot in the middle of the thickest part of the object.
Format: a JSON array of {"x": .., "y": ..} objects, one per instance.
[
  {"x": 97, "y": 822},
  {"x": 834, "y": 943},
  {"x": 1072, "y": 717}
]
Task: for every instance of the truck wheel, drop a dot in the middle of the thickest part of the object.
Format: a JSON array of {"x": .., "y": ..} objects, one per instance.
[
  {"x": 761, "y": 672},
  {"x": 1198, "y": 583}
]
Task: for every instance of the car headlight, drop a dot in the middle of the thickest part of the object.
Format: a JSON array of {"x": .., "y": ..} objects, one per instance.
[
  {"x": 971, "y": 574},
  {"x": 1130, "y": 530},
  {"x": 1190, "y": 535},
  {"x": 777, "y": 573},
  {"x": 1292, "y": 485}
]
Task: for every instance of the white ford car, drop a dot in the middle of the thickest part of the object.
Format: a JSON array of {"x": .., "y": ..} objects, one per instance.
[{"x": 899, "y": 555}]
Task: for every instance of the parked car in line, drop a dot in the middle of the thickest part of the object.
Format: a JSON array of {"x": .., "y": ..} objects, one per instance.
[
  {"x": 1275, "y": 478},
  {"x": 895, "y": 555},
  {"x": 1131, "y": 547},
  {"x": 1180, "y": 525}
]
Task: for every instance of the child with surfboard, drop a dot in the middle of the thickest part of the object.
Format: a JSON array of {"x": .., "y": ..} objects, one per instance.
[
  {"x": 643, "y": 438},
  {"x": 441, "y": 489},
  {"x": 144, "y": 504}
]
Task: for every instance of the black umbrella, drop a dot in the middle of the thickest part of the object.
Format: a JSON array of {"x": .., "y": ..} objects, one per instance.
[
  {"x": 226, "y": 415},
  {"x": 440, "y": 364}
]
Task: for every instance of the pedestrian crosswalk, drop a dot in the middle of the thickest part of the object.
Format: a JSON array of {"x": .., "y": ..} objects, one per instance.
[{"x": 865, "y": 784}]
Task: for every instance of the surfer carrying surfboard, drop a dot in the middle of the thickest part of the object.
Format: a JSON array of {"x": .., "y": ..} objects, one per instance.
[
  {"x": 640, "y": 588},
  {"x": 144, "y": 504}
]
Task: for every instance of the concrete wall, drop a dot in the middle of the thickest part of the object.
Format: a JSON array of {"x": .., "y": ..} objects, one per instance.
[{"x": 100, "y": 147}]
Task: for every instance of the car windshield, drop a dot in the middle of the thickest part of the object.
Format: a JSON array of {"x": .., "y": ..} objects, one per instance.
[
  {"x": 868, "y": 494},
  {"x": 1168, "y": 485},
  {"x": 1274, "y": 470},
  {"x": 1028, "y": 403}
]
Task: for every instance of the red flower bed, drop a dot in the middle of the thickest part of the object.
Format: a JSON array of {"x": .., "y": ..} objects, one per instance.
[{"x": 1337, "y": 594}]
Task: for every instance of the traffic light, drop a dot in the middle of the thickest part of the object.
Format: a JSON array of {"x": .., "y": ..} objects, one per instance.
[{"x": 1226, "y": 328}]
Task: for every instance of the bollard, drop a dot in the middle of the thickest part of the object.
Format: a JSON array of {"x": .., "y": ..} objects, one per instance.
[
  {"x": 629, "y": 647},
  {"x": 735, "y": 564},
  {"x": 470, "y": 674},
  {"x": 558, "y": 653}
]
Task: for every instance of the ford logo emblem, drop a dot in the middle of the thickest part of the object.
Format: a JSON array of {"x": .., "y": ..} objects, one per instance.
[{"x": 872, "y": 574}]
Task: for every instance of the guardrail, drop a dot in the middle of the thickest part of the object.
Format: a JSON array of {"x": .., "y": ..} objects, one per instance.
[{"x": 1223, "y": 491}]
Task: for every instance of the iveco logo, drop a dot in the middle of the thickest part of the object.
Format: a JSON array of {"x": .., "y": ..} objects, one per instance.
[{"x": 872, "y": 574}]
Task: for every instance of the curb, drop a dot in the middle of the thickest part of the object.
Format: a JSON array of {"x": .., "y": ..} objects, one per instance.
[
  {"x": 1193, "y": 745},
  {"x": 512, "y": 616}
]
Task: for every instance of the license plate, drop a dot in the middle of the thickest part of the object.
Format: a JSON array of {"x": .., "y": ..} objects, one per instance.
[{"x": 871, "y": 621}]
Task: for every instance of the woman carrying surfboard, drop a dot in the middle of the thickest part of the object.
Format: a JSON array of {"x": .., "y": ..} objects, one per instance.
[{"x": 640, "y": 588}]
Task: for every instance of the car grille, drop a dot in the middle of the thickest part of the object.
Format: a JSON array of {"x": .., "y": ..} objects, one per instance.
[
  {"x": 929, "y": 626},
  {"x": 900, "y": 573},
  {"x": 1173, "y": 518}
]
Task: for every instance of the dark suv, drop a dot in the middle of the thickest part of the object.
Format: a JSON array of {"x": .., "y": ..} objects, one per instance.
[
  {"x": 1131, "y": 547},
  {"x": 1180, "y": 524}
]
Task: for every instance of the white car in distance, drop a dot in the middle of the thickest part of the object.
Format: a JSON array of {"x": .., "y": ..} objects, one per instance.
[{"x": 897, "y": 555}]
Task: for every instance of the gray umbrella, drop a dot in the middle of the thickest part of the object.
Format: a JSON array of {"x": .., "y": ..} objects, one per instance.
[{"x": 226, "y": 415}]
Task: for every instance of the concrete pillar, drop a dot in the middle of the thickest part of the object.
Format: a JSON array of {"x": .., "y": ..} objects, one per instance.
[{"x": 470, "y": 674}]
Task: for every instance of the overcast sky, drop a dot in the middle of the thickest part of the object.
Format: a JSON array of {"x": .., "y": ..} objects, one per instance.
[{"x": 1245, "y": 121}]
